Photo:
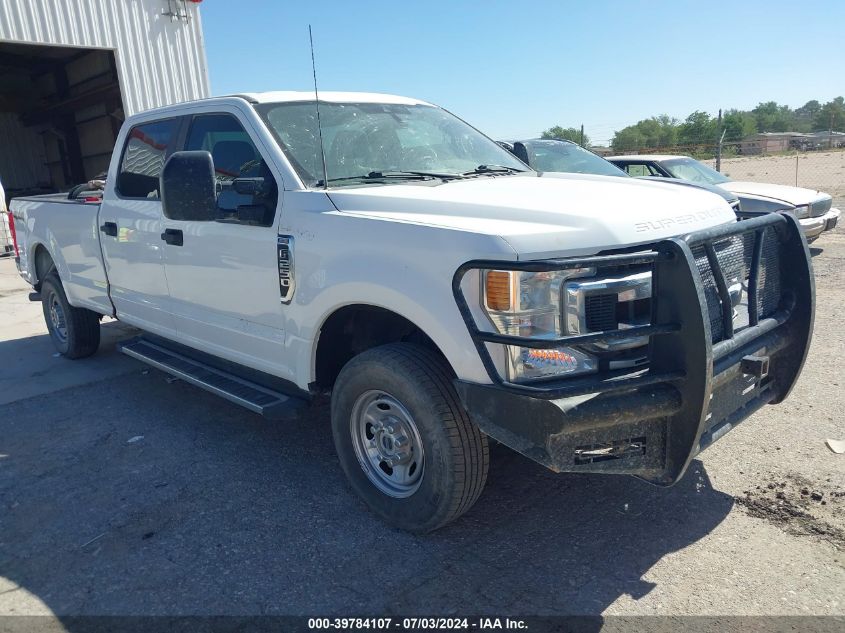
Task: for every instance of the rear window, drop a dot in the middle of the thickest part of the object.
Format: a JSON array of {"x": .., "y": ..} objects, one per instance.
[{"x": 143, "y": 158}]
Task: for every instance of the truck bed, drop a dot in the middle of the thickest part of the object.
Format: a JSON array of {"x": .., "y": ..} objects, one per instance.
[{"x": 70, "y": 229}]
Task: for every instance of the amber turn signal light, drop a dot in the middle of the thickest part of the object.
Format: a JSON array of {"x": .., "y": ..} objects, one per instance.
[{"x": 498, "y": 287}]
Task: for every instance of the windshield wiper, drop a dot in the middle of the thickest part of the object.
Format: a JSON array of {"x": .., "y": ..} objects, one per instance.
[
  {"x": 394, "y": 175},
  {"x": 493, "y": 169}
]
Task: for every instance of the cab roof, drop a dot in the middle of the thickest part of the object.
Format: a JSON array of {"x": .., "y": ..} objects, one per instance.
[
  {"x": 289, "y": 96},
  {"x": 331, "y": 97}
]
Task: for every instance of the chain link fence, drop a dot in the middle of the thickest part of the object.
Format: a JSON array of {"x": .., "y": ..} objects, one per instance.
[{"x": 821, "y": 169}]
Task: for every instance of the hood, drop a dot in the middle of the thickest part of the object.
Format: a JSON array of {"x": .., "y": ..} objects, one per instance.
[
  {"x": 793, "y": 195},
  {"x": 549, "y": 215}
]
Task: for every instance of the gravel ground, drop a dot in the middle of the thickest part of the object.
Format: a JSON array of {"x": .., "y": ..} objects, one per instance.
[
  {"x": 820, "y": 170},
  {"x": 122, "y": 493}
]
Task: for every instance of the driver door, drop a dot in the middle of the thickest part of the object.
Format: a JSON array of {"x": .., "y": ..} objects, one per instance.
[{"x": 223, "y": 276}]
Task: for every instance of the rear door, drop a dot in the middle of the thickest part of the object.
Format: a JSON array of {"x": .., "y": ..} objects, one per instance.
[
  {"x": 224, "y": 277},
  {"x": 130, "y": 226}
]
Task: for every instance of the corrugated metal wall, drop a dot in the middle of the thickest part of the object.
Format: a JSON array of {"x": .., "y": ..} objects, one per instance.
[
  {"x": 25, "y": 166},
  {"x": 160, "y": 60}
]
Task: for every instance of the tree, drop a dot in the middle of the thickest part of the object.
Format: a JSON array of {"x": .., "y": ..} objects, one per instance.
[
  {"x": 656, "y": 132},
  {"x": 772, "y": 117},
  {"x": 804, "y": 116},
  {"x": 698, "y": 129},
  {"x": 566, "y": 133},
  {"x": 809, "y": 109},
  {"x": 628, "y": 139},
  {"x": 831, "y": 116},
  {"x": 738, "y": 124}
]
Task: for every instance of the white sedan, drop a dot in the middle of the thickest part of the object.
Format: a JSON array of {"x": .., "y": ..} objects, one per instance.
[{"x": 812, "y": 208}]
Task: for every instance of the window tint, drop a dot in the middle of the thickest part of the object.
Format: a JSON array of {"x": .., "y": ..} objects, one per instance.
[
  {"x": 690, "y": 169},
  {"x": 143, "y": 157},
  {"x": 638, "y": 169},
  {"x": 235, "y": 156},
  {"x": 563, "y": 156}
]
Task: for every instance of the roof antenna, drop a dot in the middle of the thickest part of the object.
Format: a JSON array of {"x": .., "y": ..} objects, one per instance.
[{"x": 317, "y": 103}]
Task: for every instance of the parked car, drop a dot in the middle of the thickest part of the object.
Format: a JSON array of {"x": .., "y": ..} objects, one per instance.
[
  {"x": 434, "y": 286},
  {"x": 564, "y": 156},
  {"x": 812, "y": 208}
]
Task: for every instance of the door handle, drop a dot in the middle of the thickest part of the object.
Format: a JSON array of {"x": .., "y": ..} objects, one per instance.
[
  {"x": 172, "y": 237},
  {"x": 109, "y": 228}
]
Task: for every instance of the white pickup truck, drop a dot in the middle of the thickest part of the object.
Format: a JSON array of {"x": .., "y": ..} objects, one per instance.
[{"x": 440, "y": 290}]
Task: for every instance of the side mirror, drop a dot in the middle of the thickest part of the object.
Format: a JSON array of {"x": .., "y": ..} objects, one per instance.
[{"x": 188, "y": 187}]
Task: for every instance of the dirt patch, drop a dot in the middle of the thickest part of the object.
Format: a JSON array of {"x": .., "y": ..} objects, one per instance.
[{"x": 799, "y": 506}]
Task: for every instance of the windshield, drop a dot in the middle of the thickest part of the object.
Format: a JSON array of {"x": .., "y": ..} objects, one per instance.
[
  {"x": 692, "y": 170},
  {"x": 568, "y": 157},
  {"x": 363, "y": 139}
]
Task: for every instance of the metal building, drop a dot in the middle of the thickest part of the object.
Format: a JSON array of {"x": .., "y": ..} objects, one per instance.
[{"x": 72, "y": 70}]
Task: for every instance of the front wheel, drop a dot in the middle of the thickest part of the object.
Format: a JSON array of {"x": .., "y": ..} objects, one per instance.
[{"x": 403, "y": 439}]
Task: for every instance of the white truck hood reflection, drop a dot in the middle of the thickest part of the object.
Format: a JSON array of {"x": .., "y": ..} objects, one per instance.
[{"x": 570, "y": 214}]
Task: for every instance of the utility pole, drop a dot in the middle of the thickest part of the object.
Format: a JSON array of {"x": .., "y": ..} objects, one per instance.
[
  {"x": 719, "y": 146},
  {"x": 830, "y": 131},
  {"x": 582, "y": 135}
]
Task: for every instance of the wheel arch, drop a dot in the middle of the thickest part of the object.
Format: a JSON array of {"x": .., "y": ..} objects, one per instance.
[
  {"x": 354, "y": 328},
  {"x": 42, "y": 262}
]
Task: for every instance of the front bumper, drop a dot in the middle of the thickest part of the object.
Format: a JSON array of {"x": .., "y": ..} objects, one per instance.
[
  {"x": 702, "y": 378},
  {"x": 831, "y": 218},
  {"x": 813, "y": 227}
]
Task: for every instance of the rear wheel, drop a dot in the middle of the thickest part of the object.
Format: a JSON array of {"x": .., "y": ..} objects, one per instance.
[
  {"x": 75, "y": 331},
  {"x": 403, "y": 439}
]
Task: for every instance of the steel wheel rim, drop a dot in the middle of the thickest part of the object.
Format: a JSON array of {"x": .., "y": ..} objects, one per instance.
[
  {"x": 387, "y": 444},
  {"x": 57, "y": 319}
]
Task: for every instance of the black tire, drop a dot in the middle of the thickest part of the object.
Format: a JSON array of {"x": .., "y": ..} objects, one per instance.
[
  {"x": 80, "y": 336},
  {"x": 455, "y": 452}
]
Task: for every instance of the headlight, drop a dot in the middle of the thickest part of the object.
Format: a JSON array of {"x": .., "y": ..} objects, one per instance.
[
  {"x": 528, "y": 304},
  {"x": 802, "y": 211}
]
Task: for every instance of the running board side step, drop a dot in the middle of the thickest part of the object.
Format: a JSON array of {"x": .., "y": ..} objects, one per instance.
[{"x": 273, "y": 405}]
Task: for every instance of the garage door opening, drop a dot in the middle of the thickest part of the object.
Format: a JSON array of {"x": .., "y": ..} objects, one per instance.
[{"x": 60, "y": 112}]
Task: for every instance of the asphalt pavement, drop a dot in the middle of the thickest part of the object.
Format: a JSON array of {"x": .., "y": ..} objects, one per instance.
[{"x": 122, "y": 492}]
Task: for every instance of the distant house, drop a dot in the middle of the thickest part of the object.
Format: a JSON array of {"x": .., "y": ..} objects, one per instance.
[
  {"x": 771, "y": 142},
  {"x": 766, "y": 143},
  {"x": 825, "y": 140}
]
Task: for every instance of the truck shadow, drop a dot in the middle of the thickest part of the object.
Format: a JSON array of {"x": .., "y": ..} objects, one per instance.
[
  {"x": 146, "y": 487},
  {"x": 30, "y": 365}
]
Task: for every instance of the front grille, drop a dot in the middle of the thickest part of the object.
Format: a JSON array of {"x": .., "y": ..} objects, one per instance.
[
  {"x": 734, "y": 256},
  {"x": 820, "y": 207},
  {"x": 601, "y": 312},
  {"x": 608, "y": 302}
]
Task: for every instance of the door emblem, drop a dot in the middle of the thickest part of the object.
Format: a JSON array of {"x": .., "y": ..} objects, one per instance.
[{"x": 285, "y": 253}]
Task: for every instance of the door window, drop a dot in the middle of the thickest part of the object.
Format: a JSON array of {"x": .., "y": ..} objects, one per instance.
[
  {"x": 143, "y": 157},
  {"x": 235, "y": 158},
  {"x": 638, "y": 169}
]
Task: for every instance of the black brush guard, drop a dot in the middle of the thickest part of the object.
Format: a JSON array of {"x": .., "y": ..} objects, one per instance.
[{"x": 696, "y": 386}]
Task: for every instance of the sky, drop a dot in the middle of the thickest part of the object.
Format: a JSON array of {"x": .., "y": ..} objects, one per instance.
[{"x": 513, "y": 69}]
